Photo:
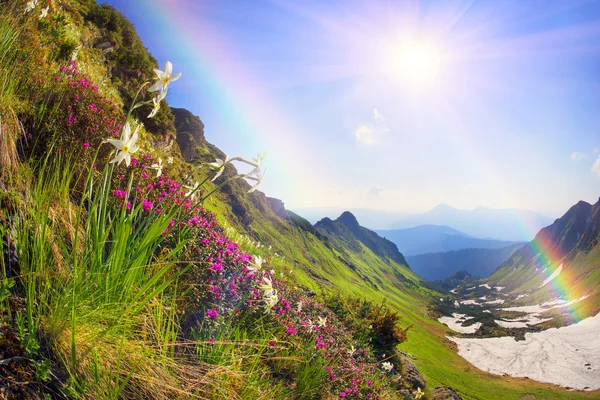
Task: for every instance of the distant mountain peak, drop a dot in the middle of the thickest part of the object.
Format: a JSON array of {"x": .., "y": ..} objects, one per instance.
[
  {"x": 443, "y": 207},
  {"x": 348, "y": 219}
]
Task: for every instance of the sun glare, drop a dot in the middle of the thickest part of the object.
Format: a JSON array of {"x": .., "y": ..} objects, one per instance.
[{"x": 414, "y": 61}]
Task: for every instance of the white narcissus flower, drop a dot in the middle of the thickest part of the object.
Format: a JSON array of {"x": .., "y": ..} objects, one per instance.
[
  {"x": 387, "y": 366},
  {"x": 158, "y": 167},
  {"x": 322, "y": 322},
  {"x": 418, "y": 393},
  {"x": 351, "y": 351},
  {"x": 30, "y": 5},
  {"x": 267, "y": 287},
  {"x": 191, "y": 190},
  {"x": 299, "y": 308},
  {"x": 271, "y": 300},
  {"x": 257, "y": 179},
  {"x": 44, "y": 12},
  {"x": 255, "y": 162},
  {"x": 125, "y": 145},
  {"x": 163, "y": 78},
  {"x": 156, "y": 102},
  {"x": 220, "y": 166},
  {"x": 169, "y": 160},
  {"x": 258, "y": 260}
]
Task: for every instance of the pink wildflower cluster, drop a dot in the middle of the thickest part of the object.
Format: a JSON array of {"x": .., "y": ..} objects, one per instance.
[
  {"x": 217, "y": 274},
  {"x": 352, "y": 373},
  {"x": 85, "y": 118}
]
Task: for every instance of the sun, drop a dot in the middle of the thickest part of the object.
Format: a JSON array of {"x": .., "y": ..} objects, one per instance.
[{"x": 414, "y": 61}]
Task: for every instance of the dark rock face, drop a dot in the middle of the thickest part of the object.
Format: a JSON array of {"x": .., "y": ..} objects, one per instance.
[
  {"x": 190, "y": 133},
  {"x": 566, "y": 231},
  {"x": 445, "y": 393},
  {"x": 411, "y": 374},
  {"x": 278, "y": 207},
  {"x": 578, "y": 230}
]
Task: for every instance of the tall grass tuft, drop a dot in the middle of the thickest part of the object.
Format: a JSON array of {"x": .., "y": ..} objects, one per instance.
[{"x": 99, "y": 286}]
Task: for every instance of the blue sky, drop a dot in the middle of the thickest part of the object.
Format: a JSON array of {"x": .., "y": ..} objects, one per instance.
[{"x": 395, "y": 105}]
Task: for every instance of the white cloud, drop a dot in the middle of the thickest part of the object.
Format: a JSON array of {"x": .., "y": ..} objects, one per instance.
[
  {"x": 376, "y": 190},
  {"x": 365, "y": 135},
  {"x": 379, "y": 118},
  {"x": 577, "y": 156},
  {"x": 595, "y": 150},
  {"x": 369, "y": 134},
  {"x": 596, "y": 167}
]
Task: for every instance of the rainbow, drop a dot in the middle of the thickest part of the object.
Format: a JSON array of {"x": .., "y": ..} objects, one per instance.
[
  {"x": 560, "y": 277},
  {"x": 235, "y": 92}
]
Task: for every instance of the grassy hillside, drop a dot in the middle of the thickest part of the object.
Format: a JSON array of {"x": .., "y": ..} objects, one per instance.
[{"x": 120, "y": 282}]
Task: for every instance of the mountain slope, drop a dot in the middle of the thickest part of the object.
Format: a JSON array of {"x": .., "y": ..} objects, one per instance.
[
  {"x": 437, "y": 238},
  {"x": 372, "y": 219},
  {"x": 346, "y": 227},
  {"x": 503, "y": 224},
  {"x": 477, "y": 262},
  {"x": 563, "y": 258}
]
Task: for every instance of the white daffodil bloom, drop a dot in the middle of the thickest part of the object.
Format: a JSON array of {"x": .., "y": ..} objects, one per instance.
[
  {"x": 44, "y": 12},
  {"x": 271, "y": 300},
  {"x": 258, "y": 260},
  {"x": 351, "y": 351},
  {"x": 220, "y": 165},
  {"x": 387, "y": 366},
  {"x": 255, "y": 162},
  {"x": 125, "y": 145},
  {"x": 156, "y": 102},
  {"x": 267, "y": 287},
  {"x": 299, "y": 307},
  {"x": 75, "y": 53},
  {"x": 30, "y": 5},
  {"x": 169, "y": 160},
  {"x": 322, "y": 322},
  {"x": 418, "y": 393},
  {"x": 257, "y": 179},
  {"x": 191, "y": 190},
  {"x": 163, "y": 78},
  {"x": 158, "y": 167}
]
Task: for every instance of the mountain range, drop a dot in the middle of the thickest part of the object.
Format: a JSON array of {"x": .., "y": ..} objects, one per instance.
[
  {"x": 438, "y": 238},
  {"x": 477, "y": 262},
  {"x": 481, "y": 222}
]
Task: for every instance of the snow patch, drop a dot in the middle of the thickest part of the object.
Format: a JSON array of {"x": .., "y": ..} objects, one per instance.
[
  {"x": 551, "y": 277},
  {"x": 485, "y": 285},
  {"x": 499, "y": 288},
  {"x": 549, "y": 305},
  {"x": 455, "y": 323},
  {"x": 498, "y": 301},
  {"x": 469, "y": 302},
  {"x": 521, "y": 322},
  {"x": 471, "y": 288},
  {"x": 567, "y": 356}
]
